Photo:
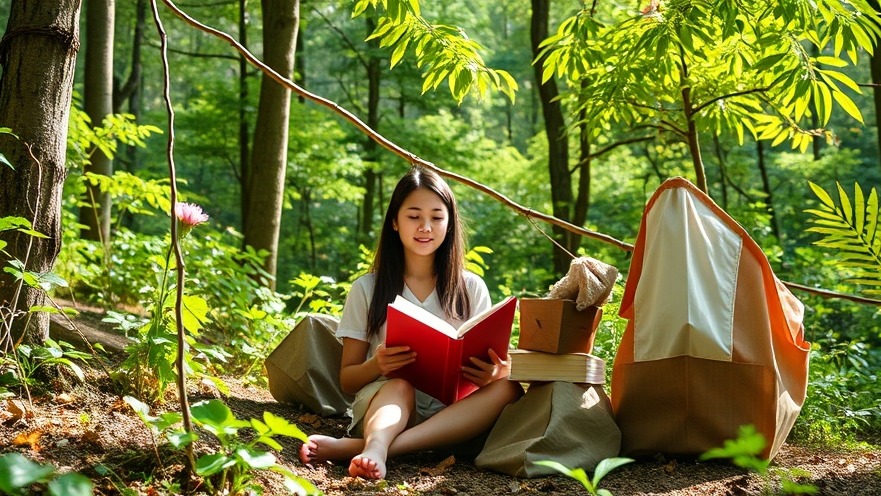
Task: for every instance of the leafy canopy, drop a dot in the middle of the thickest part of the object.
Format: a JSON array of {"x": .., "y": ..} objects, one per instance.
[
  {"x": 446, "y": 53},
  {"x": 766, "y": 67}
]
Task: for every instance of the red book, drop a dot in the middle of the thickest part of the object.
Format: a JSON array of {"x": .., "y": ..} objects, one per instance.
[{"x": 441, "y": 350}]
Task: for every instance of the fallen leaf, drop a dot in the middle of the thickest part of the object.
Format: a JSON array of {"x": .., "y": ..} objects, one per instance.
[
  {"x": 30, "y": 439},
  {"x": 670, "y": 467},
  {"x": 64, "y": 398},
  {"x": 310, "y": 419},
  {"x": 120, "y": 406},
  {"x": 17, "y": 409},
  {"x": 440, "y": 468}
]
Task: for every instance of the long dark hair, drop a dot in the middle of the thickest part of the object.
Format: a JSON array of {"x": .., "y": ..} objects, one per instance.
[{"x": 449, "y": 259}]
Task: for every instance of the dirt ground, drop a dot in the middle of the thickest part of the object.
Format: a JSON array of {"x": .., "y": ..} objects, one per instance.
[{"x": 88, "y": 425}]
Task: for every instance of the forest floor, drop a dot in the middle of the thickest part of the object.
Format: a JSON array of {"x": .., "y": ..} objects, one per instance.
[{"x": 81, "y": 426}]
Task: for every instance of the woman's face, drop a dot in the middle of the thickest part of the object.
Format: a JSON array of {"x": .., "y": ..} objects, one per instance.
[{"x": 422, "y": 222}]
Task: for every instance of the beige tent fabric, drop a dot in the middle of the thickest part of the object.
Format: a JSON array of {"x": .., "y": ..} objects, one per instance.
[
  {"x": 304, "y": 369},
  {"x": 561, "y": 421},
  {"x": 714, "y": 339}
]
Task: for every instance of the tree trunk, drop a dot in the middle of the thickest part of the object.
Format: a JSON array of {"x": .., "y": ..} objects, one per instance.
[
  {"x": 876, "y": 81},
  {"x": 38, "y": 55},
  {"x": 558, "y": 142},
  {"x": 766, "y": 187},
  {"x": 370, "y": 146},
  {"x": 281, "y": 19},
  {"x": 244, "y": 133},
  {"x": 98, "y": 102},
  {"x": 582, "y": 199}
]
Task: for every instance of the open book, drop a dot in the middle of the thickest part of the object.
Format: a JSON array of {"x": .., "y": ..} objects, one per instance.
[{"x": 442, "y": 350}]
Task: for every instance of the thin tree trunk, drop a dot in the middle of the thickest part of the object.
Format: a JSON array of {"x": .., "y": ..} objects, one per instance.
[
  {"x": 723, "y": 171},
  {"x": 582, "y": 201},
  {"x": 244, "y": 134},
  {"x": 370, "y": 146},
  {"x": 558, "y": 142},
  {"x": 281, "y": 19},
  {"x": 98, "y": 102},
  {"x": 38, "y": 51},
  {"x": 766, "y": 187}
]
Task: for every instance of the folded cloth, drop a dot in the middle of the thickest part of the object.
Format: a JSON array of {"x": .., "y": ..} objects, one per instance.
[{"x": 589, "y": 282}]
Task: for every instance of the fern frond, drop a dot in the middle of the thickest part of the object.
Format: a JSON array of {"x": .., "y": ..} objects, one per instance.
[{"x": 852, "y": 229}]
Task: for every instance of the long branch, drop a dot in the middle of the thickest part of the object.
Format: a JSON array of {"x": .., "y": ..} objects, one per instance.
[{"x": 412, "y": 158}]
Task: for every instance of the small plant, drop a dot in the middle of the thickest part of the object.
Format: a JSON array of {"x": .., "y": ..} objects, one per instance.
[
  {"x": 50, "y": 353},
  {"x": 592, "y": 485},
  {"x": 744, "y": 452},
  {"x": 18, "y": 473},
  {"x": 229, "y": 469},
  {"x": 852, "y": 229}
]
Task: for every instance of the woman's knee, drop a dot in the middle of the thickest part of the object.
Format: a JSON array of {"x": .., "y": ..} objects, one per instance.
[
  {"x": 505, "y": 391},
  {"x": 399, "y": 388}
]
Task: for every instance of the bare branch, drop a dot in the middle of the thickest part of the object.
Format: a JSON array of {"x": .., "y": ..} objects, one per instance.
[{"x": 730, "y": 95}]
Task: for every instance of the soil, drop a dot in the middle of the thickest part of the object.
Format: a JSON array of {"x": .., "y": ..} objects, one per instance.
[{"x": 81, "y": 426}]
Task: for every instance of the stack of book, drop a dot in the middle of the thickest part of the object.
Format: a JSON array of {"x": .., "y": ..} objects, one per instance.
[{"x": 555, "y": 344}]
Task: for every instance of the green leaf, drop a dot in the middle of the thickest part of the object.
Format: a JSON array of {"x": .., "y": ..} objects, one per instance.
[
  {"x": 256, "y": 459},
  {"x": 217, "y": 418},
  {"x": 16, "y": 472},
  {"x": 208, "y": 465},
  {"x": 577, "y": 474},
  {"x": 848, "y": 105},
  {"x": 607, "y": 465},
  {"x": 282, "y": 427},
  {"x": 71, "y": 484}
]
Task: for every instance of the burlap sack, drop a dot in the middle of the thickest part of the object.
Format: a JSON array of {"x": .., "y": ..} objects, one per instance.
[
  {"x": 559, "y": 421},
  {"x": 304, "y": 369}
]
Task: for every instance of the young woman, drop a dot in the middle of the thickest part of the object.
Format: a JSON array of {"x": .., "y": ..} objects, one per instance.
[{"x": 421, "y": 256}]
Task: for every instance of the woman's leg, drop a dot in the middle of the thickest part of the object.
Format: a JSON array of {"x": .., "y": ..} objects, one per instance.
[
  {"x": 387, "y": 416},
  {"x": 454, "y": 424},
  {"x": 460, "y": 421}
]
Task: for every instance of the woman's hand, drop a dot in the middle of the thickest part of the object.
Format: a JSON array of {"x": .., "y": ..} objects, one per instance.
[
  {"x": 484, "y": 373},
  {"x": 391, "y": 359}
]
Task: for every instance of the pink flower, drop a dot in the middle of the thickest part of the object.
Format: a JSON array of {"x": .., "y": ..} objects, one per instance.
[{"x": 188, "y": 216}]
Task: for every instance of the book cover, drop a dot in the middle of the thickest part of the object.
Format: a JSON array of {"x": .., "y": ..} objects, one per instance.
[
  {"x": 570, "y": 367},
  {"x": 442, "y": 350}
]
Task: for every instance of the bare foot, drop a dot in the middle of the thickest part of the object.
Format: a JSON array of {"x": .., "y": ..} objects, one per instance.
[
  {"x": 323, "y": 448},
  {"x": 368, "y": 465}
]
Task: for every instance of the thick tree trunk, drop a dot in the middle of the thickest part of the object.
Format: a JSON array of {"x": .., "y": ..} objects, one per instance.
[
  {"x": 558, "y": 142},
  {"x": 98, "y": 102},
  {"x": 38, "y": 55},
  {"x": 281, "y": 19}
]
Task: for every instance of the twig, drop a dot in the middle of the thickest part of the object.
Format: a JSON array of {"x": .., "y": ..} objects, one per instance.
[{"x": 175, "y": 243}]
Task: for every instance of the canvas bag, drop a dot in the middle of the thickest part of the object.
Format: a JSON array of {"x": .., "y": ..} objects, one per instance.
[
  {"x": 561, "y": 421},
  {"x": 304, "y": 369},
  {"x": 714, "y": 340}
]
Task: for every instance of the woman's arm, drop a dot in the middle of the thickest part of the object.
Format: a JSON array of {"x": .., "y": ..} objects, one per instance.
[{"x": 356, "y": 370}]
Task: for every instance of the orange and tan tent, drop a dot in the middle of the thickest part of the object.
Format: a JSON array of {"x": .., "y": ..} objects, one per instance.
[{"x": 714, "y": 340}]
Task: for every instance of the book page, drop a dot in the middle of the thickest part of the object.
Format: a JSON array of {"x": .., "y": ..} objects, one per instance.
[
  {"x": 473, "y": 321},
  {"x": 424, "y": 316}
]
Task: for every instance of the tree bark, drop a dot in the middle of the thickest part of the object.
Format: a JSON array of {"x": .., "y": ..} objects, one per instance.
[
  {"x": 98, "y": 102},
  {"x": 370, "y": 146},
  {"x": 38, "y": 55},
  {"x": 766, "y": 187},
  {"x": 281, "y": 19},
  {"x": 558, "y": 142},
  {"x": 244, "y": 131},
  {"x": 876, "y": 81}
]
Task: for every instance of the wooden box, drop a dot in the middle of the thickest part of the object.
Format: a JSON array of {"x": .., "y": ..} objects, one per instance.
[{"x": 555, "y": 326}]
